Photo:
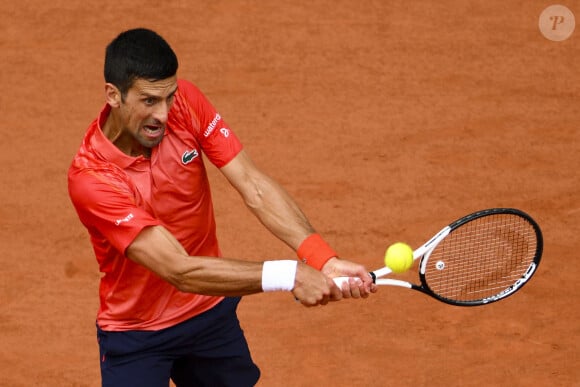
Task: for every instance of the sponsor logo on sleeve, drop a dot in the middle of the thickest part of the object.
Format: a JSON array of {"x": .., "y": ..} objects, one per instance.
[
  {"x": 211, "y": 127},
  {"x": 124, "y": 220}
]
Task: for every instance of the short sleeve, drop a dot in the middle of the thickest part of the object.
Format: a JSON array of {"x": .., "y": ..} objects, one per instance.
[
  {"x": 107, "y": 207},
  {"x": 217, "y": 140}
]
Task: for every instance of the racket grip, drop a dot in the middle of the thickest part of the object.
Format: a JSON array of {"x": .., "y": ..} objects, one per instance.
[{"x": 340, "y": 280}]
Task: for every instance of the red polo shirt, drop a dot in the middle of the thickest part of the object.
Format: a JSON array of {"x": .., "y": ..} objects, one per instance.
[{"x": 117, "y": 195}]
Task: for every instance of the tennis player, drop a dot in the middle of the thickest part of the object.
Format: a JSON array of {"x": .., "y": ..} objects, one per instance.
[{"x": 139, "y": 185}]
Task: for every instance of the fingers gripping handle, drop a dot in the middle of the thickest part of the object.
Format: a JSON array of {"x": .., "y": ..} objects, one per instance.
[{"x": 341, "y": 280}]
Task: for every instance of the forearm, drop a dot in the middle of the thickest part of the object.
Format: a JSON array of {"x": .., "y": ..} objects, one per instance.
[
  {"x": 218, "y": 276},
  {"x": 156, "y": 249}
]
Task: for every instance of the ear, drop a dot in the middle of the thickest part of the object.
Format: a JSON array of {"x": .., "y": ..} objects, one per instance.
[{"x": 112, "y": 95}]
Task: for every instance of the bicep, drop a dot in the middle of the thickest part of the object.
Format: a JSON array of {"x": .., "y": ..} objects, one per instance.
[
  {"x": 268, "y": 200},
  {"x": 240, "y": 172},
  {"x": 158, "y": 250},
  {"x": 252, "y": 184}
]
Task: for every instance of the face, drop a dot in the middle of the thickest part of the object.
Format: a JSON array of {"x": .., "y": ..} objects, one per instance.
[{"x": 142, "y": 114}]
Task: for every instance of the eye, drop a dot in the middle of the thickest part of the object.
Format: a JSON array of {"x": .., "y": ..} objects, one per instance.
[{"x": 150, "y": 101}]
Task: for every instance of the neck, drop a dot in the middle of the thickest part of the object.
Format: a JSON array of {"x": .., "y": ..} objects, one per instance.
[{"x": 122, "y": 139}]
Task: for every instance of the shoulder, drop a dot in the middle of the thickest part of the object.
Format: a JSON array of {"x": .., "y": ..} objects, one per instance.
[
  {"x": 189, "y": 97},
  {"x": 90, "y": 176},
  {"x": 93, "y": 183},
  {"x": 187, "y": 88},
  {"x": 191, "y": 109}
]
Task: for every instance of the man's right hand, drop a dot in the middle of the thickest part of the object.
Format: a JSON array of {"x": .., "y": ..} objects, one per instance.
[{"x": 313, "y": 288}]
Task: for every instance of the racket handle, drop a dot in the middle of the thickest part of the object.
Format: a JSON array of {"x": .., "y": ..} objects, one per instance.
[{"x": 340, "y": 280}]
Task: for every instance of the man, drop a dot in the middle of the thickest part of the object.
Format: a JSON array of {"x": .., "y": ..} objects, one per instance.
[{"x": 139, "y": 185}]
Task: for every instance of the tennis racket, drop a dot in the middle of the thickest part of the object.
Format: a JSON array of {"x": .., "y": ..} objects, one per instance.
[{"x": 479, "y": 259}]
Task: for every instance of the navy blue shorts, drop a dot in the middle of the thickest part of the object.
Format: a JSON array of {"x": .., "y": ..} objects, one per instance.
[{"x": 208, "y": 350}]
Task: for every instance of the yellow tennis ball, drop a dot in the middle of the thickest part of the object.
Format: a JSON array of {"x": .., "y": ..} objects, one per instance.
[{"x": 399, "y": 257}]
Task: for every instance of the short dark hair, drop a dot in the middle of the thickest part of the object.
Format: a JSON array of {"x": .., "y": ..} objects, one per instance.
[{"x": 138, "y": 53}]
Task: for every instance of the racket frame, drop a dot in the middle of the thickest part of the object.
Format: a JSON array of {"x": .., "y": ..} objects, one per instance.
[
  {"x": 504, "y": 293},
  {"x": 424, "y": 252}
]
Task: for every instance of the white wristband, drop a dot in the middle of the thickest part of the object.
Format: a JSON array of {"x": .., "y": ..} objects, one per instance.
[{"x": 278, "y": 275}]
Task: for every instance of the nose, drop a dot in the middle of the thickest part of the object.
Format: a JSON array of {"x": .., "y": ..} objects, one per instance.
[{"x": 161, "y": 112}]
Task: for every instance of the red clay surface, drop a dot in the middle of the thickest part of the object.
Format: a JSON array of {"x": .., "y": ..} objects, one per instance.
[{"x": 385, "y": 120}]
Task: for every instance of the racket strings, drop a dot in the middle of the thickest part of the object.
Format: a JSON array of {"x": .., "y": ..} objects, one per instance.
[{"x": 481, "y": 258}]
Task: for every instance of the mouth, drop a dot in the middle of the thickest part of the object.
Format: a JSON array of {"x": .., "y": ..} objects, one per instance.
[{"x": 153, "y": 131}]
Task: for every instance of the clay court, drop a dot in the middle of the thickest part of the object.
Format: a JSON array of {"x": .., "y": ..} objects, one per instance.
[{"x": 386, "y": 120}]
